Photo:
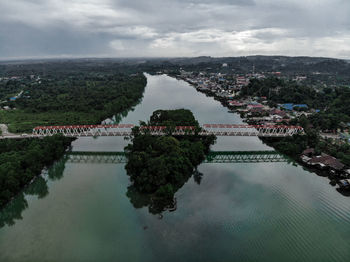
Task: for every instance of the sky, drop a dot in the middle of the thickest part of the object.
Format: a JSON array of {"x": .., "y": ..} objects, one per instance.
[{"x": 173, "y": 28}]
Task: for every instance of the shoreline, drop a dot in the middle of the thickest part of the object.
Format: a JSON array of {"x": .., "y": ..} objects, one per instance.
[
  {"x": 41, "y": 174},
  {"x": 333, "y": 178}
]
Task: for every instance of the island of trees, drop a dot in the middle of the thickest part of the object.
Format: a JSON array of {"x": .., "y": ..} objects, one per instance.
[{"x": 159, "y": 165}]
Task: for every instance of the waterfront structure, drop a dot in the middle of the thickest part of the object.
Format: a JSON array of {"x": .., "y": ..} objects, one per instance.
[{"x": 206, "y": 129}]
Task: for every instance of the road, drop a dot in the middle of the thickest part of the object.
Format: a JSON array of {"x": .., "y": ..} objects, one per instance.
[
  {"x": 333, "y": 136},
  {"x": 6, "y": 134}
]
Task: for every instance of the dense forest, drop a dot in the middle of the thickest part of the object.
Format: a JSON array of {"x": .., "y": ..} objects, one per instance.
[
  {"x": 22, "y": 160},
  {"x": 73, "y": 99},
  {"x": 160, "y": 165}
]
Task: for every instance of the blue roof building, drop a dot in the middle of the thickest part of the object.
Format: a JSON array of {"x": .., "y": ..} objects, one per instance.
[
  {"x": 287, "y": 106},
  {"x": 301, "y": 105},
  {"x": 291, "y": 106}
]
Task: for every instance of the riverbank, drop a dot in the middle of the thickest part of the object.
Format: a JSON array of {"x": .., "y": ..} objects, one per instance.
[
  {"x": 23, "y": 160},
  {"x": 334, "y": 175}
]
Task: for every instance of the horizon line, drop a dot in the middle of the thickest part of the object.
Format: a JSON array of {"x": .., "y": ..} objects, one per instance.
[{"x": 38, "y": 58}]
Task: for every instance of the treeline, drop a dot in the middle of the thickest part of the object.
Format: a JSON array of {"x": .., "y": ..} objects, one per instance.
[
  {"x": 74, "y": 99},
  {"x": 84, "y": 93},
  {"x": 22, "y": 160}
]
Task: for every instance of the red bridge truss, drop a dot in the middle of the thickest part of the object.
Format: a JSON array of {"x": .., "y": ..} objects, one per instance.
[{"x": 207, "y": 129}]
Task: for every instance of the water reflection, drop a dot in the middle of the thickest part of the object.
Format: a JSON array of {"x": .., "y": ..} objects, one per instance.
[
  {"x": 158, "y": 204},
  {"x": 117, "y": 118},
  {"x": 13, "y": 210},
  {"x": 39, "y": 188},
  {"x": 55, "y": 172},
  {"x": 119, "y": 157},
  {"x": 197, "y": 177}
]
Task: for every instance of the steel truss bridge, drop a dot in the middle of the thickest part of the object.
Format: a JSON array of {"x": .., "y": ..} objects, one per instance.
[
  {"x": 212, "y": 157},
  {"x": 206, "y": 129}
]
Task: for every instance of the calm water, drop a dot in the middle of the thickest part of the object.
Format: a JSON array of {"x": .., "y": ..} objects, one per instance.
[{"x": 239, "y": 212}]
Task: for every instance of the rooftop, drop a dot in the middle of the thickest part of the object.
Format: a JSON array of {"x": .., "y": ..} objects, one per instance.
[{"x": 328, "y": 160}]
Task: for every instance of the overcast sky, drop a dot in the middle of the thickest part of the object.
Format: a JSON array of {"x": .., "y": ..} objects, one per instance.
[{"x": 167, "y": 28}]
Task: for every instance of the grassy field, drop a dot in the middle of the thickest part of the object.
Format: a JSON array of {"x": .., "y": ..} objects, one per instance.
[{"x": 20, "y": 121}]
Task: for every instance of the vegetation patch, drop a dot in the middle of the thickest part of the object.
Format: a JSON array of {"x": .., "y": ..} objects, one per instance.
[
  {"x": 159, "y": 165},
  {"x": 22, "y": 160},
  {"x": 72, "y": 99}
]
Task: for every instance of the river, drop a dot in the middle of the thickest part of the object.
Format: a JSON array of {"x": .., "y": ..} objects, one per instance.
[{"x": 238, "y": 212}]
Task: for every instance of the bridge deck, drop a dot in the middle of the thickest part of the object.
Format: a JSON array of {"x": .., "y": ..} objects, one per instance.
[
  {"x": 126, "y": 130},
  {"x": 206, "y": 129}
]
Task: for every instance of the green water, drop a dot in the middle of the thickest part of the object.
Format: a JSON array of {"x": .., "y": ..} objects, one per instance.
[{"x": 239, "y": 212}]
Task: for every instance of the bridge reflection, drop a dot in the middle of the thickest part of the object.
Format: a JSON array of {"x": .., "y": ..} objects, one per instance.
[{"x": 212, "y": 157}]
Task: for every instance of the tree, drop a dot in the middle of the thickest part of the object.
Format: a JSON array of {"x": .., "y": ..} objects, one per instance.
[{"x": 159, "y": 165}]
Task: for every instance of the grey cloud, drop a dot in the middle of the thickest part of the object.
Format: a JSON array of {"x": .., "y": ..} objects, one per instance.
[
  {"x": 19, "y": 40},
  {"x": 174, "y": 27}
]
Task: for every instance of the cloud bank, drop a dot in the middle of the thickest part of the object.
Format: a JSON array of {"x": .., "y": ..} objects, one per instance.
[{"x": 168, "y": 28}]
